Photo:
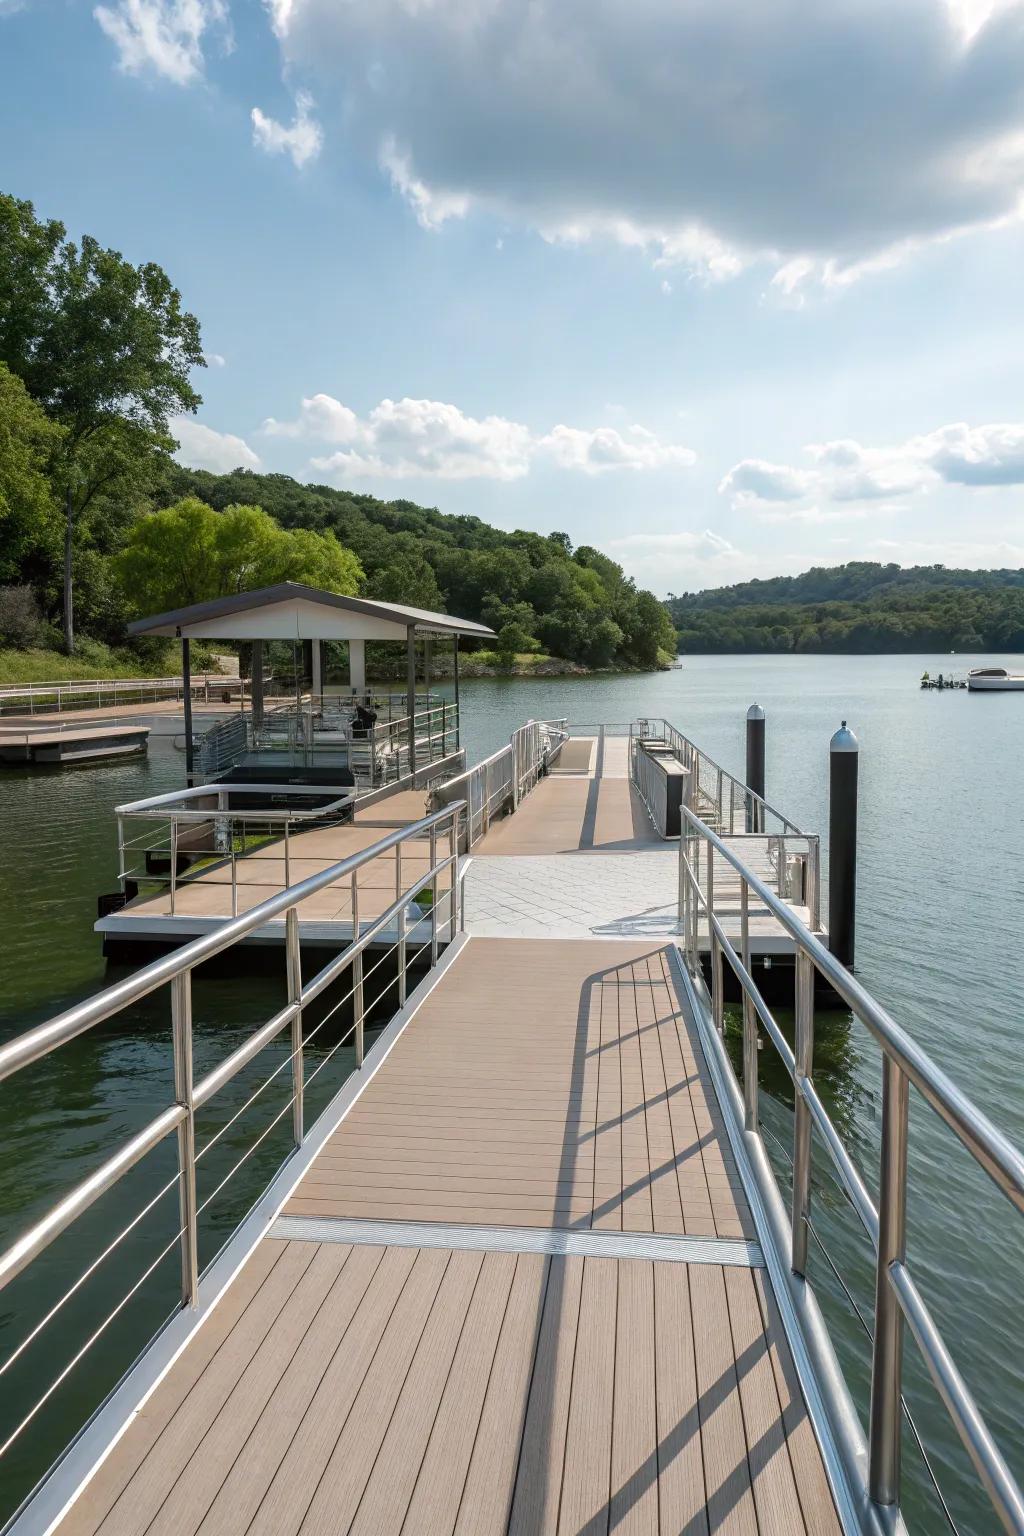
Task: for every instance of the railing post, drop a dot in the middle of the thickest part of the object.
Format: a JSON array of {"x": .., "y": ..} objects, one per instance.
[
  {"x": 294, "y": 961},
  {"x": 287, "y": 860},
  {"x": 121, "y": 871},
  {"x": 181, "y": 1036},
  {"x": 453, "y": 872},
  {"x": 804, "y": 1053},
  {"x": 717, "y": 979},
  {"x": 174, "y": 859},
  {"x": 357, "y": 975},
  {"x": 709, "y": 885},
  {"x": 401, "y": 957},
  {"x": 887, "y": 1356},
  {"x": 398, "y": 870},
  {"x": 433, "y": 891},
  {"x": 814, "y": 894},
  {"x": 749, "y": 1019}
]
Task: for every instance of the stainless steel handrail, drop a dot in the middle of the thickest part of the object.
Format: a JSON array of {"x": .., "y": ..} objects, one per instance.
[
  {"x": 676, "y": 737},
  {"x": 904, "y": 1063},
  {"x": 38, "y": 1042}
]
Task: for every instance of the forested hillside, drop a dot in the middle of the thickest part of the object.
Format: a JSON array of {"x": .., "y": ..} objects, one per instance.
[
  {"x": 535, "y": 591},
  {"x": 99, "y": 524},
  {"x": 862, "y": 607}
]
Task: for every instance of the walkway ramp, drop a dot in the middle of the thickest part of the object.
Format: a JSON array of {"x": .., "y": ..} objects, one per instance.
[{"x": 516, "y": 1292}]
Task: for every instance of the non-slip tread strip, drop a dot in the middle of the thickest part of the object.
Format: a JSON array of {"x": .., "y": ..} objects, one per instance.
[{"x": 545, "y": 1240}]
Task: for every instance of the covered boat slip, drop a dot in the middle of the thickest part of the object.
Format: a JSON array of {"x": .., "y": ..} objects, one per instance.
[{"x": 516, "y": 1291}]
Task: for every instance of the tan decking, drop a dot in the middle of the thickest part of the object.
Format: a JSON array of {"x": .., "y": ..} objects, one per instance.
[
  {"x": 381, "y": 1391},
  {"x": 543, "y": 1083},
  {"x": 576, "y": 756},
  {"x": 260, "y": 873},
  {"x": 574, "y": 815}
]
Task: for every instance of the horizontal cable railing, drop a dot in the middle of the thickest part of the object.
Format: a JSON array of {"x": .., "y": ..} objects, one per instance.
[
  {"x": 422, "y": 908},
  {"x": 172, "y": 841},
  {"x": 373, "y": 736},
  {"x": 497, "y": 784},
  {"x": 704, "y": 859},
  {"x": 99, "y": 693},
  {"x": 716, "y": 795}
]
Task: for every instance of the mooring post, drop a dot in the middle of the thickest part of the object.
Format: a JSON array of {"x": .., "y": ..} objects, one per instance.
[
  {"x": 844, "y": 757},
  {"x": 755, "y": 764}
]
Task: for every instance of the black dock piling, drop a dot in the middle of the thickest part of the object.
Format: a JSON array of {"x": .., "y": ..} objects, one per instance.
[
  {"x": 844, "y": 758},
  {"x": 755, "y": 764}
]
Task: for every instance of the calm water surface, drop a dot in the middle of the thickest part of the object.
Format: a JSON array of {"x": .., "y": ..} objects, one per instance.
[{"x": 940, "y": 943}]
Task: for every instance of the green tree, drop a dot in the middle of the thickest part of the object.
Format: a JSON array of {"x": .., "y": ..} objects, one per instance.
[
  {"x": 104, "y": 346},
  {"x": 29, "y": 530},
  {"x": 189, "y": 553}
]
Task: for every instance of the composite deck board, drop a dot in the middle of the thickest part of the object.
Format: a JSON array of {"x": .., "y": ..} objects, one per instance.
[
  {"x": 540, "y": 1084},
  {"x": 438, "y": 1391},
  {"x": 574, "y": 815}
]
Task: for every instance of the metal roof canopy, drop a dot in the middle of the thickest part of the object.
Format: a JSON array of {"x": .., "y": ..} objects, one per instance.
[{"x": 292, "y": 611}]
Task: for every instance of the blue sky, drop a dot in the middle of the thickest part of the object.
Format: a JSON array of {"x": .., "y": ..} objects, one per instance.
[{"x": 724, "y": 288}]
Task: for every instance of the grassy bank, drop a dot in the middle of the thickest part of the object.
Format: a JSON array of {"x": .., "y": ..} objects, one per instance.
[{"x": 37, "y": 664}]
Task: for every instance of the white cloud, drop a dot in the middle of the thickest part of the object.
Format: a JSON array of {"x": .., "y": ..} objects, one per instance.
[
  {"x": 756, "y": 479},
  {"x": 303, "y": 140},
  {"x": 165, "y": 36},
  {"x": 201, "y": 447},
  {"x": 405, "y": 439},
  {"x": 830, "y": 140},
  {"x": 216, "y": 360},
  {"x": 605, "y": 448},
  {"x": 846, "y": 472}
]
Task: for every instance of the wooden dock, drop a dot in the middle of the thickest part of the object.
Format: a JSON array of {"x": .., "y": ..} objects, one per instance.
[
  {"x": 68, "y": 745},
  {"x": 518, "y": 1291}
]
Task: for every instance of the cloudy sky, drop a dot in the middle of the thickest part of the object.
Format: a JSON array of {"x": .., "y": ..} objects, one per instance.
[{"x": 726, "y": 287}]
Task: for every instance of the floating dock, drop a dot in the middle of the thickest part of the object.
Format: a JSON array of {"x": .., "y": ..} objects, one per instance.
[
  {"x": 69, "y": 745},
  {"x": 530, "y": 1272}
]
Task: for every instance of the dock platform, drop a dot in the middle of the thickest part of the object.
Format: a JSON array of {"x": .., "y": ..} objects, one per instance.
[
  {"x": 518, "y": 1291},
  {"x": 70, "y": 744}
]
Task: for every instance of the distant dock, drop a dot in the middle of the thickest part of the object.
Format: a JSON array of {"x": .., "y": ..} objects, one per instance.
[{"x": 65, "y": 747}]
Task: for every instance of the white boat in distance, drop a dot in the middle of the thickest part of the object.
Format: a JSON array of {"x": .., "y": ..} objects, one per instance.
[{"x": 994, "y": 679}]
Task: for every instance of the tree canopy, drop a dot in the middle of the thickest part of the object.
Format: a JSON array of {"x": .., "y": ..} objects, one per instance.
[
  {"x": 189, "y": 553},
  {"x": 105, "y": 347},
  {"x": 29, "y": 526},
  {"x": 533, "y": 589},
  {"x": 862, "y": 607}
]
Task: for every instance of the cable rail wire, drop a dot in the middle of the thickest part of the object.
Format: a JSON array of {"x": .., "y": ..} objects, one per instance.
[
  {"x": 904, "y": 1063},
  {"x": 858, "y": 1313},
  {"x": 442, "y": 829}
]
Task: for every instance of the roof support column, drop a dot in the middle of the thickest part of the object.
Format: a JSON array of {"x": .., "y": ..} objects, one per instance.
[
  {"x": 256, "y": 683},
  {"x": 357, "y": 667},
  {"x": 410, "y": 693},
  {"x": 458, "y": 717},
  {"x": 317, "y": 670},
  {"x": 186, "y": 683}
]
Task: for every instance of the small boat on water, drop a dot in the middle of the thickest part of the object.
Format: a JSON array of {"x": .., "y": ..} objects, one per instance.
[{"x": 995, "y": 680}]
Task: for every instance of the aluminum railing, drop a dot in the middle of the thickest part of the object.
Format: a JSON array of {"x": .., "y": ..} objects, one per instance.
[
  {"x": 318, "y": 731},
  {"x": 498, "y": 783},
  {"x": 904, "y": 1065},
  {"x": 440, "y": 880},
  {"x": 203, "y": 833},
  {"x": 100, "y": 693},
  {"x": 722, "y": 800}
]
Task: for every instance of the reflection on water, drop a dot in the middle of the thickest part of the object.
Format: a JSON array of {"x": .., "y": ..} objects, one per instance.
[{"x": 941, "y": 896}]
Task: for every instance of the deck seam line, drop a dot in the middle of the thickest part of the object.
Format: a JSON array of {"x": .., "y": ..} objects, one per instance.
[{"x": 556, "y": 1241}]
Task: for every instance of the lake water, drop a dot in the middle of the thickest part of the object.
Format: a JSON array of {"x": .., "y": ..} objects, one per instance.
[{"x": 940, "y": 943}]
